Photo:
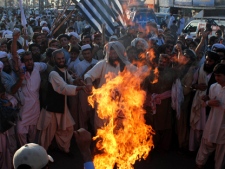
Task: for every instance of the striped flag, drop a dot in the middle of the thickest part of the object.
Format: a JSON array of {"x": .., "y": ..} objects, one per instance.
[{"x": 99, "y": 12}]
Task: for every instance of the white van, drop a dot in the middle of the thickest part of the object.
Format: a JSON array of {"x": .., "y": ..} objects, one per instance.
[{"x": 193, "y": 26}]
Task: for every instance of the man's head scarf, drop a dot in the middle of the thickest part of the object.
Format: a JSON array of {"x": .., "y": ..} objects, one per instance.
[
  {"x": 120, "y": 50},
  {"x": 136, "y": 40}
]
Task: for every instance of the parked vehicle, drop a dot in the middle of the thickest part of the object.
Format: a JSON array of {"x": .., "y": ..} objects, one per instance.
[
  {"x": 143, "y": 15},
  {"x": 193, "y": 26}
]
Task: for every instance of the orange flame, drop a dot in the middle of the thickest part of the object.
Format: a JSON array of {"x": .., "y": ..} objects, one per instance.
[{"x": 125, "y": 138}]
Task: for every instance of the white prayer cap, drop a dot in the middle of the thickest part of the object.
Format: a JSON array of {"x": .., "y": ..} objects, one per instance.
[
  {"x": 218, "y": 46},
  {"x": 20, "y": 51},
  {"x": 113, "y": 38},
  {"x": 17, "y": 29},
  {"x": 6, "y": 32},
  {"x": 85, "y": 47},
  {"x": 38, "y": 17},
  {"x": 188, "y": 37},
  {"x": 1, "y": 66},
  {"x": 74, "y": 34},
  {"x": 3, "y": 54},
  {"x": 32, "y": 19},
  {"x": 45, "y": 29},
  {"x": 42, "y": 23},
  {"x": 141, "y": 40}
]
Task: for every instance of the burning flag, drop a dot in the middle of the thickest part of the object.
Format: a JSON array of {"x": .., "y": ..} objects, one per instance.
[{"x": 125, "y": 137}]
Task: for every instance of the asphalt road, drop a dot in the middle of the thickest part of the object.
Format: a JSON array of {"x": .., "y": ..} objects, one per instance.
[{"x": 156, "y": 160}]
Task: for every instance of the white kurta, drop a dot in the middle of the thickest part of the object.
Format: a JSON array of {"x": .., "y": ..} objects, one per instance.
[
  {"x": 29, "y": 95},
  {"x": 213, "y": 138},
  {"x": 72, "y": 65},
  {"x": 102, "y": 68},
  {"x": 214, "y": 131},
  {"x": 83, "y": 65}
]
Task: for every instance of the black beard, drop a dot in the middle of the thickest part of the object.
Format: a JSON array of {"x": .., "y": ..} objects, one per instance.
[
  {"x": 139, "y": 51},
  {"x": 208, "y": 69},
  {"x": 36, "y": 58},
  {"x": 114, "y": 62},
  {"x": 61, "y": 66}
]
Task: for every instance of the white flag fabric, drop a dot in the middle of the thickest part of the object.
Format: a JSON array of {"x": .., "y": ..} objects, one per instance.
[{"x": 23, "y": 18}]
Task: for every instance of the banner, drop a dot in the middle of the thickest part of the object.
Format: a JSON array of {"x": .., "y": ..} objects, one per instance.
[
  {"x": 183, "y": 2},
  {"x": 219, "y": 2},
  {"x": 203, "y": 3},
  {"x": 165, "y": 3}
]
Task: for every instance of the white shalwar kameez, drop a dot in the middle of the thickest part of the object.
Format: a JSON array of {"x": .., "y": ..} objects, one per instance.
[
  {"x": 213, "y": 138},
  {"x": 30, "y": 110}
]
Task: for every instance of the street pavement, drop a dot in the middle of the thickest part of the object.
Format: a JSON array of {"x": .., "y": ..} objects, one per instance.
[{"x": 156, "y": 160}]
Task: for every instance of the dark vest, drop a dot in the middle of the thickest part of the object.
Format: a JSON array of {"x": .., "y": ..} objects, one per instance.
[{"x": 55, "y": 101}]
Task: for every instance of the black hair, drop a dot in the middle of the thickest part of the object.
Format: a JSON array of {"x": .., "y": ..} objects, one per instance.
[
  {"x": 23, "y": 55},
  {"x": 74, "y": 49},
  {"x": 129, "y": 48},
  {"x": 49, "y": 52},
  {"x": 52, "y": 41},
  {"x": 212, "y": 40},
  {"x": 63, "y": 36},
  {"x": 34, "y": 45},
  {"x": 35, "y": 36},
  {"x": 190, "y": 53},
  {"x": 213, "y": 55},
  {"x": 87, "y": 36},
  {"x": 219, "y": 69}
]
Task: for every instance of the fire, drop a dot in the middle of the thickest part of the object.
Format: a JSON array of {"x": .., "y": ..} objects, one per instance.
[
  {"x": 156, "y": 73},
  {"x": 125, "y": 137}
]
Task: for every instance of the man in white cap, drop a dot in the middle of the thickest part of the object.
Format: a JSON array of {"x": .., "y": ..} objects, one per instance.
[
  {"x": 8, "y": 76},
  {"x": 86, "y": 51},
  {"x": 188, "y": 40},
  {"x": 74, "y": 39},
  {"x": 45, "y": 30},
  {"x": 27, "y": 87},
  {"x": 43, "y": 24},
  {"x": 85, "y": 111},
  {"x": 115, "y": 61}
]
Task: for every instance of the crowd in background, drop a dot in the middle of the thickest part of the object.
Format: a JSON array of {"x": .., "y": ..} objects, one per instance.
[{"x": 46, "y": 79}]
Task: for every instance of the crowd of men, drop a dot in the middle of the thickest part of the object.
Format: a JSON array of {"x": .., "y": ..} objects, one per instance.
[{"x": 48, "y": 77}]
